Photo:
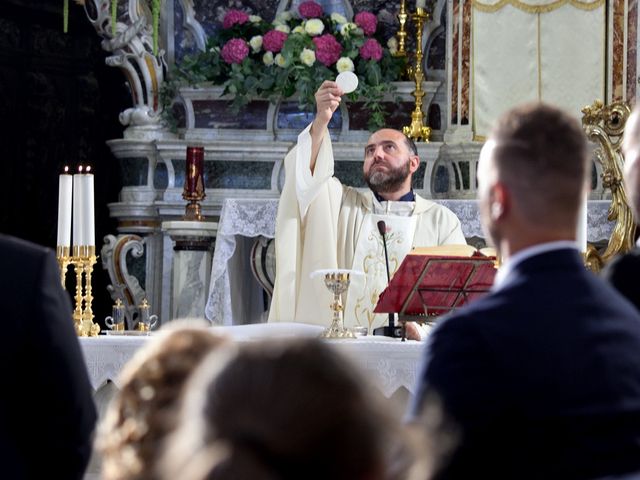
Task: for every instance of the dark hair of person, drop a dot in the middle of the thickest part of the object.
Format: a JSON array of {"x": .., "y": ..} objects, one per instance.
[
  {"x": 281, "y": 410},
  {"x": 411, "y": 145},
  {"x": 541, "y": 152}
]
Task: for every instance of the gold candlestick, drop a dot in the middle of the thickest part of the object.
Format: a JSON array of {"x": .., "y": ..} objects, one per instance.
[
  {"x": 401, "y": 34},
  {"x": 417, "y": 130},
  {"x": 83, "y": 260},
  {"x": 89, "y": 327},
  {"x": 63, "y": 257}
]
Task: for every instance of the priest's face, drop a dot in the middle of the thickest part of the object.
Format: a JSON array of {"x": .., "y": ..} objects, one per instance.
[{"x": 389, "y": 162}]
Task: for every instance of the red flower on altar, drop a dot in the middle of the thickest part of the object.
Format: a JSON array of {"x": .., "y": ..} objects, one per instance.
[
  {"x": 371, "y": 50},
  {"x": 367, "y": 21},
  {"x": 273, "y": 40},
  {"x": 310, "y": 10},
  {"x": 234, "y": 17},
  {"x": 234, "y": 51},
  {"x": 328, "y": 49}
]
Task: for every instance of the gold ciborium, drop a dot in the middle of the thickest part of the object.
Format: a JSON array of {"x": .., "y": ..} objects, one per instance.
[{"x": 337, "y": 282}]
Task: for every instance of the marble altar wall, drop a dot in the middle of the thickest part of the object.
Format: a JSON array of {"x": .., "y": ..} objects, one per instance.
[{"x": 481, "y": 58}]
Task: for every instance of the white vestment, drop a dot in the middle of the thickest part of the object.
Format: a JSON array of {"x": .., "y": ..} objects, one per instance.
[{"x": 322, "y": 224}]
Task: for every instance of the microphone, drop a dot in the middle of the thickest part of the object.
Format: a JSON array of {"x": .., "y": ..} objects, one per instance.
[{"x": 391, "y": 330}]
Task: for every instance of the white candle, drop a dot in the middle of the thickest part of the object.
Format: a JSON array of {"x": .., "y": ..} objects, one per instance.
[
  {"x": 78, "y": 189},
  {"x": 65, "y": 186},
  {"x": 420, "y": 3},
  {"x": 88, "y": 210},
  {"x": 581, "y": 227}
]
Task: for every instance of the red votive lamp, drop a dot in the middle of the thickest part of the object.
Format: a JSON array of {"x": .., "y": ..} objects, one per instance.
[{"x": 194, "y": 182}]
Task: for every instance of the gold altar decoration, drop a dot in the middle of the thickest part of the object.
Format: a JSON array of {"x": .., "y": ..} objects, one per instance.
[
  {"x": 83, "y": 259},
  {"x": 116, "y": 320},
  {"x": 194, "y": 183},
  {"x": 401, "y": 34},
  {"x": 604, "y": 125},
  {"x": 417, "y": 130},
  {"x": 146, "y": 322},
  {"x": 337, "y": 282}
]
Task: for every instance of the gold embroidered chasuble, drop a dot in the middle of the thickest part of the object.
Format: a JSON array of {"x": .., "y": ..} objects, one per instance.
[{"x": 322, "y": 224}]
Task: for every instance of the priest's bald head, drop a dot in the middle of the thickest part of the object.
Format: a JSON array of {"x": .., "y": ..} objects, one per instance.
[
  {"x": 532, "y": 178},
  {"x": 390, "y": 159},
  {"x": 631, "y": 151}
]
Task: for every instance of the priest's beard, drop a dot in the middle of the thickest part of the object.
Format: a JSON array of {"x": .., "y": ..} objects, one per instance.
[{"x": 387, "y": 181}]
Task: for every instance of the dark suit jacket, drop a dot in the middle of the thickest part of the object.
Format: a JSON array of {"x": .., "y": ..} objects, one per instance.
[
  {"x": 623, "y": 272},
  {"x": 47, "y": 414},
  {"x": 542, "y": 376}
]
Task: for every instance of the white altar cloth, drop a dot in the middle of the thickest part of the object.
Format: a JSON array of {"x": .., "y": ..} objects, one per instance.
[
  {"x": 235, "y": 297},
  {"x": 389, "y": 363}
]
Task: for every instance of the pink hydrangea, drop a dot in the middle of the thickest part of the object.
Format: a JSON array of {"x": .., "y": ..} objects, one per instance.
[
  {"x": 235, "y": 51},
  {"x": 367, "y": 21},
  {"x": 234, "y": 17},
  {"x": 328, "y": 49},
  {"x": 371, "y": 50},
  {"x": 273, "y": 40},
  {"x": 310, "y": 10}
]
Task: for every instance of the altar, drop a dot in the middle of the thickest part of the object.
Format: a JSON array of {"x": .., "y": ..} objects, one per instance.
[
  {"x": 235, "y": 295},
  {"x": 389, "y": 363}
]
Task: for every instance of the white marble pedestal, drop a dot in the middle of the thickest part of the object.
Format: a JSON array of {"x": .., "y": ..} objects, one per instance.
[{"x": 193, "y": 252}]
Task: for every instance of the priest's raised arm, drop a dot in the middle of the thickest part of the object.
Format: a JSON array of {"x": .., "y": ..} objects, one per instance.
[{"x": 323, "y": 224}]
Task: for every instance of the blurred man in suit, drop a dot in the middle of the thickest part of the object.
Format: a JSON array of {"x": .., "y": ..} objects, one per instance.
[
  {"x": 47, "y": 414},
  {"x": 623, "y": 270},
  {"x": 542, "y": 375}
]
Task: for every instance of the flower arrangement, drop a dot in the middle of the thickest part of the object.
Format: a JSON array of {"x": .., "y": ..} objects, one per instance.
[{"x": 294, "y": 54}]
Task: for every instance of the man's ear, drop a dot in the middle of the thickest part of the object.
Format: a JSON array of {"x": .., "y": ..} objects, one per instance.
[
  {"x": 500, "y": 201},
  {"x": 414, "y": 163}
]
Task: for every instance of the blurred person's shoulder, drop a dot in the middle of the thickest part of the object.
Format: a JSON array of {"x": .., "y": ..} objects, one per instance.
[{"x": 10, "y": 246}]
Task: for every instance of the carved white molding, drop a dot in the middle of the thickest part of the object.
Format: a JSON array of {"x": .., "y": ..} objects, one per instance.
[{"x": 131, "y": 48}]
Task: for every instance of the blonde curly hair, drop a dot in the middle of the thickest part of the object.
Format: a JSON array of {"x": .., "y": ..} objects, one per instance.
[{"x": 145, "y": 409}]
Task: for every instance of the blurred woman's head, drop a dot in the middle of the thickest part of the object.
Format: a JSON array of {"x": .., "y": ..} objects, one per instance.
[
  {"x": 276, "y": 411},
  {"x": 146, "y": 407}
]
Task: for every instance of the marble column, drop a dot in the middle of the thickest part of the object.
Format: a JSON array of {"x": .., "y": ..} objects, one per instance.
[{"x": 191, "y": 267}]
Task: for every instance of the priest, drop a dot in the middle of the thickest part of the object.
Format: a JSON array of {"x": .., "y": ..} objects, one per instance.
[{"x": 322, "y": 224}]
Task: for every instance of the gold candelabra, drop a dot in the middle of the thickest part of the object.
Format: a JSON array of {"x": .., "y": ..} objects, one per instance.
[
  {"x": 417, "y": 130},
  {"x": 401, "y": 34},
  {"x": 83, "y": 259}
]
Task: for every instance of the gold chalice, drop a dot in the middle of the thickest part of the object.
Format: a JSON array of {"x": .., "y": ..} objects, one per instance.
[{"x": 337, "y": 282}]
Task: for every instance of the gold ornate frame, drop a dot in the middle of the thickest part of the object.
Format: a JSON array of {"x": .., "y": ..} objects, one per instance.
[{"x": 604, "y": 125}]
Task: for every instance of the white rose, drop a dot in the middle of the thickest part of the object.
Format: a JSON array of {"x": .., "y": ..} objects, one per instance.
[
  {"x": 314, "y": 27},
  {"x": 280, "y": 60},
  {"x": 347, "y": 28},
  {"x": 283, "y": 28},
  {"x": 256, "y": 43},
  {"x": 308, "y": 57},
  {"x": 267, "y": 58},
  {"x": 283, "y": 17},
  {"x": 298, "y": 29},
  {"x": 255, "y": 18},
  {"x": 392, "y": 44},
  {"x": 336, "y": 17},
  {"x": 345, "y": 64}
]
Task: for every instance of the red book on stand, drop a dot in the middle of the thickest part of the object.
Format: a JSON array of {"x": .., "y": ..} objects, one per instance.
[{"x": 429, "y": 284}]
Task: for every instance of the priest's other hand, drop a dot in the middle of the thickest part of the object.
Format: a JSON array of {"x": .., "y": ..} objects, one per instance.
[{"x": 415, "y": 331}]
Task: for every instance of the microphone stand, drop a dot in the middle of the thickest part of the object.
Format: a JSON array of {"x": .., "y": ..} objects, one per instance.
[{"x": 390, "y": 330}]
